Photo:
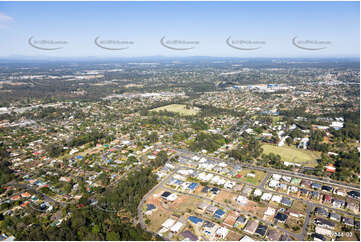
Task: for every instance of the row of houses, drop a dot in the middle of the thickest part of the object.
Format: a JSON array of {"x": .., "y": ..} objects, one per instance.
[
  {"x": 254, "y": 227},
  {"x": 295, "y": 185},
  {"x": 323, "y": 212}
]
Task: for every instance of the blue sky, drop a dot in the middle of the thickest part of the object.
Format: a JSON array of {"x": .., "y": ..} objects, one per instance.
[{"x": 209, "y": 23}]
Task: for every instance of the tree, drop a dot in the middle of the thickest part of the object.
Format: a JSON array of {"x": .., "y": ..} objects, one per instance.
[
  {"x": 289, "y": 141},
  {"x": 153, "y": 137},
  {"x": 54, "y": 150},
  {"x": 6, "y": 173},
  {"x": 112, "y": 236}
]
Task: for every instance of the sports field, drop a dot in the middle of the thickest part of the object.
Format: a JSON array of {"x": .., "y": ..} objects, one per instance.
[
  {"x": 292, "y": 154},
  {"x": 178, "y": 108}
]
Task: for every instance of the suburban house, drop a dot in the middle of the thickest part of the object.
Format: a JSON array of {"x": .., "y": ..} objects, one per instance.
[
  {"x": 266, "y": 196},
  {"x": 348, "y": 221},
  {"x": 286, "y": 202},
  {"x": 261, "y": 230},
  {"x": 327, "y": 199},
  {"x": 295, "y": 213},
  {"x": 210, "y": 210},
  {"x": 202, "y": 207},
  {"x": 336, "y": 203},
  {"x": 323, "y": 231},
  {"x": 257, "y": 192},
  {"x": 176, "y": 227},
  {"x": 240, "y": 222},
  {"x": 273, "y": 235},
  {"x": 314, "y": 195},
  {"x": 321, "y": 211},
  {"x": 324, "y": 223},
  {"x": 340, "y": 192},
  {"x": 246, "y": 191},
  {"x": 276, "y": 198},
  {"x": 354, "y": 194},
  {"x": 188, "y": 235},
  {"x": 335, "y": 217},
  {"x": 303, "y": 192},
  {"x": 242, "y": 200},
  {"x": 316, "y": 186},
  {"x": 318, "y": 237},
  {"x": 195, "y": 219},
  {"x": 208, "y": 228},
  {"x": 270, "y": 211},
  {"x": 306, "y": 183},
  {"x": 251, "y": 226},
  {"x": 280, "y": 217},
  {"x": 219, "y": 214},
  {"x": 326, "y": 188},
  {"x": 168, "y": 223},
  {"x": 222, "y": 232},
  {"x": 353, "y": 206}
]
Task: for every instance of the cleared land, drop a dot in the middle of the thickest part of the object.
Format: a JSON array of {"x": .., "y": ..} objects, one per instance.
[
  {"x": 259, "y": 176},
  {"x": 291, "y": 154},
  {"x": 178, "y": 108}
]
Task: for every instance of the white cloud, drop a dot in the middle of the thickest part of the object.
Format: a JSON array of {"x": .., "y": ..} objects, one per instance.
[{"x": 5, "y": 20}]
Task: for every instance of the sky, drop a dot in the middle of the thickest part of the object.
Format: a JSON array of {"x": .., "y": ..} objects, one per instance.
[{"x": 265, "y": 29}]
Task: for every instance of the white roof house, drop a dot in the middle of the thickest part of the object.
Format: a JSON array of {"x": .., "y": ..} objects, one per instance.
[
  {"x": 340, "y": 192},
  {"x": 282, "y": 141},
  {"x": 303, "y": 143},
  {"x": 337, "y": 125},
  {"x": 276, "y": 177},
  {"x": 179, "y": 177},
  {"x": 185, "y": 172},
  {"x": 221, "y": 181},
  {"x": 168, "y": 223},
  {"x": 322, "y": 127},
  {"x": 251, "y": 175},
  {"x": 246, "y": 239},
  {"x": 222, "y": 232},
  {"x": 293, "y": 189},
  {"x": 273, "y": 183},
  {"x": 266, "y": 196},
  {"x": 270, "y": 211},
  {"x": 323, "y": 231},
  {"x": 229, "y": 184},
  {"x": 202, "y": 160},
  {"x": 177, "y": 227},
  {"x": 205, "y": 177},
  {"x": 73, "y": 151},
  {"x": 241, "y": 200},
  {"x": 172, "y": 197},
  {"x": 185, "y": 185},
  {"x": 206, "y": 166},
  {"x": 267, "y": 134},
  {"x": 286, "y": 178},
  {"x": 208, "y": 177},
  {"x": 276, "y": 199},
  {"x": 215, "y": 179},
  {"x": 257, "y": 192},
  {"x": 195, "y": 158},
  {"x": 162, "y": 230},
  {"x": 283, "y": 186},
  {"x": 201, "y": 176},
  {"x": 340, "y": 119}
]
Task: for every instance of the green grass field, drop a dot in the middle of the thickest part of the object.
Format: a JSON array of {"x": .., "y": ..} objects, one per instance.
[
  {"x": 292, "y": 154},
  {"x": 178, "y": 108}
]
